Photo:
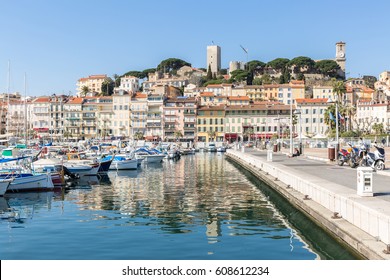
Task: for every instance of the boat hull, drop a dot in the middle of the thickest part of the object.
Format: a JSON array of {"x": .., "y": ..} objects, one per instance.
[
  {"x": 127, "y": 164},
  {"x": 30, "y": 182},
  {"x": 4, "y": 184}
]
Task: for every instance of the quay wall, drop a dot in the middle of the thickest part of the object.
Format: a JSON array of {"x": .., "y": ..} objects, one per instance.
[{"x": 358, "y": 222}]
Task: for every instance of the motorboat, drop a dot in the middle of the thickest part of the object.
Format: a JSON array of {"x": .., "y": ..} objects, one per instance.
[
  {"x": 123, "y": 163},
  {"x": 149, "y": 156},
  {"x": 4, "y": 183}
]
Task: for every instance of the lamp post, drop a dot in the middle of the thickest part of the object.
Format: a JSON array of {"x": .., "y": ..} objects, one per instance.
[
  {"x": 298, "y": 112},
  {"x": 337, "y": 124},
  {"x": 291, "y": 125}
]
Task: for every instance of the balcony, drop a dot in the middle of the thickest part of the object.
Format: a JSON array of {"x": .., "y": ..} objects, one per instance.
[
  {"x": 191, "y": 128},
  {"x": 189, "y": 113},
  {"x": 169, "y": 128}
]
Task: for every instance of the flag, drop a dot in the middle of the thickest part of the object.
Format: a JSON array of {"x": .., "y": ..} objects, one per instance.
[
  {"x": 331, "y": 117},
  {"x": 341, "y": 118}
]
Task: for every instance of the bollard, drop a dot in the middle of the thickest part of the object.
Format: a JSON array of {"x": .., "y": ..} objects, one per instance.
[
  {"x": 364, "y": 181},
  {"x": 269, "y": 155}
]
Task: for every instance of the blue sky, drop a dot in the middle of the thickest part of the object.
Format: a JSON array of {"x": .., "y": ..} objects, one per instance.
[{"x": 57, "y": 42}]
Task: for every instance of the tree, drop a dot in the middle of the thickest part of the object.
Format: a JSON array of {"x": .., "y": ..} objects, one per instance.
[
  {"x": 327, "y": 67},
  {"x": 209, "y": 74},
  {"x": 266, "y": 79},
  {"x": 84, "y": 90},
  {"x": 178, "y": 134},
  {"x": 107, "y": 87},
  {"x": 378, "y": 128},
  {"x": 278, "y": 64},
  {"x": 239, "y": 75},
  {"x": 117, "y": 80},
  {"x": 212, "y": 134},
  {"x": 302, "y": 64},
  {"x": 134, "y": 73},
  {"x": 248, "y": 133},
  {"x": 339, "y": 89},
  {"x": 138, "y": 135},
  {"x": 171, "y": 65}
]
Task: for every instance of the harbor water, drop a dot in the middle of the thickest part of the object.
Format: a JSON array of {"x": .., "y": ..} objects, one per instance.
[{"x": 200, "y": 207}]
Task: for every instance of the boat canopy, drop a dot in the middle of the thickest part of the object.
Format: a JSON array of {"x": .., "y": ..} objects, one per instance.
[{"x": 3, "y": 160}]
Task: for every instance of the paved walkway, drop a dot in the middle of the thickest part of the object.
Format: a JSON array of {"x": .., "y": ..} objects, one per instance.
[
  {"x": 315, "y": 161},
  {"x": 342, "y": 179}
]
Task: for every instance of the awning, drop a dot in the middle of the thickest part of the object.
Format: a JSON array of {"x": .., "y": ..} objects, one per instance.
[
  {"x": 41, "y": 129},
  {"x": 231, "y": 135}
]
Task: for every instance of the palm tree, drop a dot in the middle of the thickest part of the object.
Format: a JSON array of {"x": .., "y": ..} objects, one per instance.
[
  {"x": 248, "y": 133},
  {"x": 67, "y": 134},
  {"x": 339, "y": 89},
  {"x": 211, "y": 134},
  {"x": 84, "y": 91},
  {"x": 178, "y": 134},
  {"x": 138, "y": 135}
]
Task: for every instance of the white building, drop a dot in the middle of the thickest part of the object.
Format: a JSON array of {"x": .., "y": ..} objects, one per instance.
[
  {"x": 369, "y": 113},
  {"x": 311, "y": 119},
  {"x": 128, "y": 84},
  {"x": 121, "y": 114}
]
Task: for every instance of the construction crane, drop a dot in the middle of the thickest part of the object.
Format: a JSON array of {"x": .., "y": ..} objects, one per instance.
[{"x": 246, "y": 51}]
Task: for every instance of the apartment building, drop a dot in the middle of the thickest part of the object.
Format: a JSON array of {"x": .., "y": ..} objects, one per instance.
[
  {"x": 369, "y": 113},
  {"x": 179, "y": 119},
  {"x": 104, "y": 116},
  {"x": 210, "y": 123},
  {"x": 138, "y": 114},
  {"x": 121, "y": 105},
  {"x": 129, "y": 84},
  {"x": 73, "y": 114},
  {"x": 93, "y": 83},
  {"x": 255, "y": 121},
  {"x": 311, "y": 118}
]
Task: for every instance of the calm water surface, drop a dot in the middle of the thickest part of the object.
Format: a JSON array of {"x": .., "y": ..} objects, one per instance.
[{"x": 199, "y": 207}]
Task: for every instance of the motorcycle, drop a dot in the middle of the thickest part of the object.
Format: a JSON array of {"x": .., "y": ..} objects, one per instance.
[
  {"x": 363, "y": 157},
  {"x": 353, "y": 156},
  {"x": 343, "y": 156},
  {"x": 376, "y": 159}
]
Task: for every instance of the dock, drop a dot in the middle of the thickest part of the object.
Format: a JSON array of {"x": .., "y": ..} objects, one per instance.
[{"x": 328, "y": 194}]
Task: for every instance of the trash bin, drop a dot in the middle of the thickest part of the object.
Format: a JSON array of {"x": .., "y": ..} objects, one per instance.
[
  {"x": 275, "y": 148},
  {"x": 331, "y": 152}
]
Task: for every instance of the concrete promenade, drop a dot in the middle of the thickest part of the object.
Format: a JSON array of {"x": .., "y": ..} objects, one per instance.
[{"x": 328, "y": 194}]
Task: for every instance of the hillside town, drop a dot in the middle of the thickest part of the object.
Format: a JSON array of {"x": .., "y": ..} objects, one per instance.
[{"x": 173, "y": 106}]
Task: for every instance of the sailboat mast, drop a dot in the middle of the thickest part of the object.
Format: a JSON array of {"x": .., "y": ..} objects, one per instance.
[
  {"x": 8, "y": 89},
  {"x": 25, "y": 110}
]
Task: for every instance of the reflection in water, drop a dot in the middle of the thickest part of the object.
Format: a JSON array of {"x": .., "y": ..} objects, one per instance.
[{"x": 198, "y": 207}]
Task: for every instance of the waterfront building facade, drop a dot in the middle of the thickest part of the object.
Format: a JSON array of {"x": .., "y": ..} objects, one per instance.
[
  {"x": 179, "y": 119},
  {"x": 312, "y": 116},
  {"x": 210, "y": 123},
  {"x": 93, "y": 83},
  {"x": 121, "y": 114},
  {"x": 73, "y": 114},
  {"x": 128, "y": 84},
  {"x": 369, "y": 113},
  {"x": 105, "y": 116},
  {"x": 138, "y": 114}
]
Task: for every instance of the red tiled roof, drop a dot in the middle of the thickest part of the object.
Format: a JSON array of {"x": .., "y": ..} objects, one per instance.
[
  {"x": 76, "y": 100},
  {"x": 206, "y": 93},
  {"x": 311, "y": 100},
  {"x": 245, "y": 98},
  {"x": 42, "y": 100}
]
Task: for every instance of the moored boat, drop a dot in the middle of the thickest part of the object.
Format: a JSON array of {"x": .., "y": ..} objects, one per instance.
[{"x": 4, "y": 184}]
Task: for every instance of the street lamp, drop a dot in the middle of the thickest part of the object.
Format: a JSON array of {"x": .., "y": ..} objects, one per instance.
[
  {"x": 291, "y": 125},
  {"x": 298, "y": 112},
  {"x": 337, "y": 123}
]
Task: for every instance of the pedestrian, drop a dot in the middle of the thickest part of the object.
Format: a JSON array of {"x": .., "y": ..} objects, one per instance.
[
  {"x": 296, "y": 153},
  {"x": 383, "y": 141}
]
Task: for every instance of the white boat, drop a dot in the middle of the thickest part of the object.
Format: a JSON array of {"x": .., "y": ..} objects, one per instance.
[
  {"x": 123, "y": 163},
  {"x": 4, "y": 183},
  {"x": 149, "y": 156},
  {"x": 23, "y": 178},
  {"x": 82, "y": 169},
  {"x": 221, "y": 149},
  {"x": 31, "y": 182}
]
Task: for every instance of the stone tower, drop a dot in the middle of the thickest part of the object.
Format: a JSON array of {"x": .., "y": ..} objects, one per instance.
[
  {"x": 214, "y": 58},
  {"x": 340, "y": 57}
]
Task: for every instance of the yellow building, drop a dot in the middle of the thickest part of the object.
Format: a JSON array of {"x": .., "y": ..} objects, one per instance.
[
  {"x": 210, "y": 123},
  {"x": 93, "y": 82}
]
